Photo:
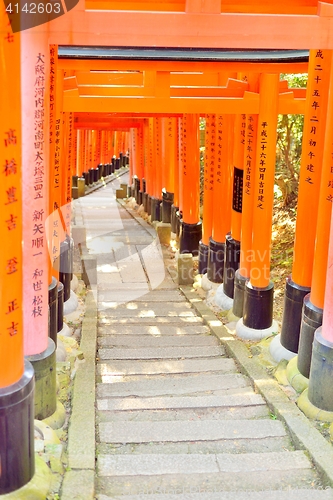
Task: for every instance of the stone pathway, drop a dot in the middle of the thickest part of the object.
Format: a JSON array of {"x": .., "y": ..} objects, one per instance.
[{"x": 175, "y": 418}]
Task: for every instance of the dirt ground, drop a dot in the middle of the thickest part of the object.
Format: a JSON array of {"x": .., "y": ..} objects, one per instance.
[{"x": 283, "y": 233}]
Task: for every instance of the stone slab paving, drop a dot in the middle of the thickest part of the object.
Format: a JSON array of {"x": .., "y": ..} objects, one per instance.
[
  {"x": 173, "y": 412},
  {"x": 161, "y": 352},
  {"x": 155, "y": 341},
  {"x": 126, "y": 367}
]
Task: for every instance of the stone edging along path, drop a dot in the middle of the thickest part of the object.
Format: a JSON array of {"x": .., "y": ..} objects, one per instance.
[{"x": 303, "y": 434}]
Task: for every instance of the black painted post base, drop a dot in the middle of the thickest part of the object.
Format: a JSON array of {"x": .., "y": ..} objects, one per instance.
[
  {"x": 64, "y": 272},
  {"x": 53, "y": 309},
  {"x": 156, "y": 209},
  {"x": 312, "y": 318},
  {"x": 179, "y": 220},
  {"x": 231, "y": 264},
  {"x": 215, "y": 261},
  {"x": 239, "y": 292},
  {"x": 292, "y": 315},
  {"x": 17, "y": 457},
  {"x": 167, "y": 201},
  {"x": 136, "y": 189},
  {"x": 149, "y": 205},
  {"x": 173, "y": 217},
  {"x": 189, "y": 237},
  {"x": 203, "y": 258},
  {"x": 145, "y": 202},
  {"x": 45, "y": 381},
  {"x": 321, "y": 373},
  {"x": 74, "y": 180},
  {"x": 258, "y": 307},
  {"x": 60, "y": 315}
]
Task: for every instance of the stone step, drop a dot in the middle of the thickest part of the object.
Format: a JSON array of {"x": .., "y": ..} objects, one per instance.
[
  {"x": 154, "y": 296},
  {"x": 150, "y": 310},
  {"x": 160, "y": 385},
  {"x": 205, "y": 494},
  {"x": 135, "y": 367},
  {"x": 246, "y": 399},
  {"x": 152, "y": 341},
  {"x": 154, "y": 330},
  {"x": 106, "y": 319},
  {"x": 243, "y": 445},
  {"x": 186, "y": 414},
  {"x": 160, "y": 352},
  {"x": 219, "y": 483},
  {"x": 177, "y": 431},
  {"x": 151, "y": 465}
]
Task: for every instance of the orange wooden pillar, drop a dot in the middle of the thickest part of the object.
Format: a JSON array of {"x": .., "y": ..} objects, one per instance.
[
  {"x": 320, "y": 377},
  {"x": 175, "y": 205},
  {"x": 151, "y": 165},
  {"x": 244, "y": 271},
  {"x": 221, "y": 221},
  {"x": 148, "y": 161},
  {"x": 298, "y": 284},
  {"x": 314, "y": 302},
  {"x": 211, "y": 152},
  {"x": 258, "y": 300},
  {"x": 233, "y": 240},
  {"x": 191, "y": 226},
  {"x": 168, "y": 157},
  {"x": 16, "y": 376},
  {"x": 179, "y": 213},
  {"x": 156, "y": 200}
]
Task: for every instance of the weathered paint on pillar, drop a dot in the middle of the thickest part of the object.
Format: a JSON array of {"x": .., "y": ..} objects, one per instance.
[
  {"x": 248, "y": 185},
  {"x": 221, "y": 222},
  {"x": 324, "y": 210},
  {"x": 311, "y": 165},
  {"x": 238, "y": 171},
  {"x": 210, "y": 163},
  {"x": 264, "y": 180},
  {"x": 11, "y": 338},
  {"x": 158, "y": 157},
  {"x": 35, "y": 165},
  {"x": 181, "y": 155},
  {"x": 191, "y": 169},
  {"x": 176, "y": 166}
]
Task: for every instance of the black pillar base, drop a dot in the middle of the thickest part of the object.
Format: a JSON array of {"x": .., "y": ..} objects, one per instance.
[
  {"x": 140, "y": 197},
  {"x": 155, "y": 209},
  {"x": 74, "y": 180},
  {"x": 292, "y": 315},
  {"x": 85, "y": 175},
  {"x": 45, "y": 381},
  {"x": 203, "y": 258},
  {"x": 60, "y": 322},
  {"x": 312, "y": 318},
  {"x": 231, "y": 264},
  {"x": 53, "y": 310},
  {"x": 258, "y": 306},
  {"x": 173, "y": 217},
  {"x": 179, "y": 220},
  {"x": 113, "y": 165},
  {"x": 17, "y": 457},
  {"x": 321, "y": 373},
  {"x": 91, "y": 176},
  {"x": 189, "y": 237},
  {"x": 215, "y": 261},
  {"x": 136, "y": 189},
  {"x": 145, "y": 202},
  {"x": 239, "y": 291},
  {"x": 64, "y": 272},
  {"x": 167, "y": 201},
  {"x": 149, "y": 204}
]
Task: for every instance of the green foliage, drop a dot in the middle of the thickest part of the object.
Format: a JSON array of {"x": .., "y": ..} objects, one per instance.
[{"x": 289, "y": 145}]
